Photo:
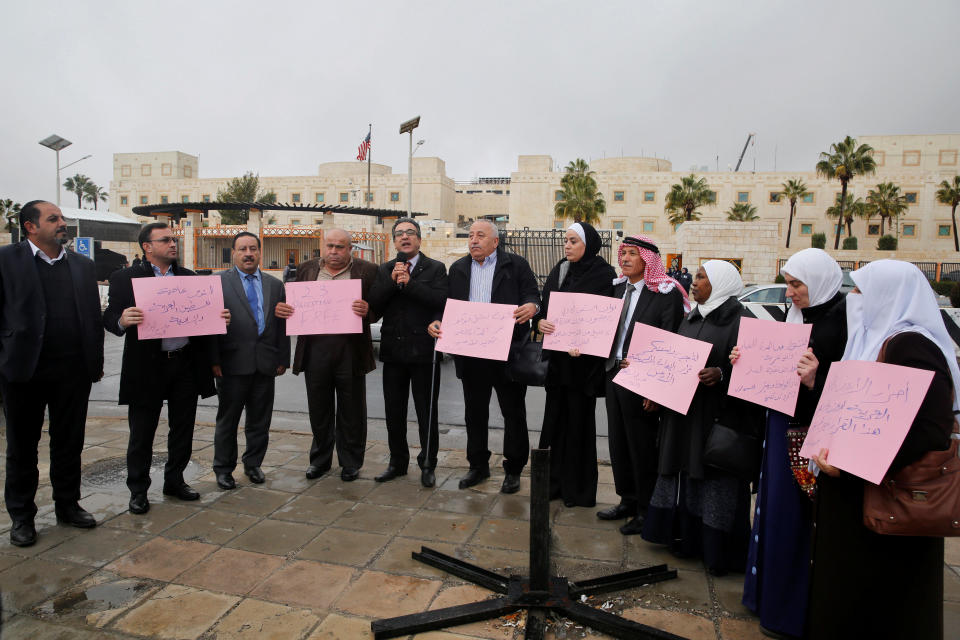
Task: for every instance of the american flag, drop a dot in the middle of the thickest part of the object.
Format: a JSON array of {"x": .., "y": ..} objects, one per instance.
[{"x": 363, "y": 148}]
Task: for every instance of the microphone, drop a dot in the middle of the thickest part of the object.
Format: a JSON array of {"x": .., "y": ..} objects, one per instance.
[{"x": 401, "y": 257}]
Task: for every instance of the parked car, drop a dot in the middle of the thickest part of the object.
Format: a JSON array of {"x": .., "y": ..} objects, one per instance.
[{"x": 764, "y": 293}]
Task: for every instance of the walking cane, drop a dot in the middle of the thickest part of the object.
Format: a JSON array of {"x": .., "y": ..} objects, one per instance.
[{"x": 433, "y": 382}]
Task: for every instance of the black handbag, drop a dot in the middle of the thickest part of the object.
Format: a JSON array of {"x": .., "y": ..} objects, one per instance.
[
  {"x": 733, "y": 452},
  {"x": 526, "y": 364}
]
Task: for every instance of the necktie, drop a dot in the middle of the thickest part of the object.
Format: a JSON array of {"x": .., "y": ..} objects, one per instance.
[
  {"x": 250, "y": 287},
  {"x": 621, "y": 324}
]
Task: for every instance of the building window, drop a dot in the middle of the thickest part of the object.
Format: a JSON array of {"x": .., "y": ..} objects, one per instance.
[
  {"x": 712, "y": 197},
  {"x": 143, "y": 199},
  {"x": 318, "y": 221},
  {"x": 145, "y": 170},
  {"x": 676, "y": 226},
  {"x": 295, "y": 197},
  {"x": 618, "y": 225},
  {"x": 188, "y": 172},
  {"x": 910, "y": 230},
  {"x": 806, "y": 229},
  {"x": 166, "y": 169},
  {"x": 319, "y": 197},
  {"x": 344, "y": 196},
  {"x": 164, "y": 200},
  {"x": 880, "y": 158},
  {"x": 807, "y": 199},
  {"x": 125, "y": 171},
  {"x": 649, "y": 196},
  {"x": 873, "y": 229},
  {"x": 948, "y": 157},
  {"x": 558, "y": 196},
  {"x": 369, "y": 197},
  {"x": 648, "y": 226},
  {"x": 123, "y": 201},
  {"x": 943, "y": 230},
  {"x": 394, "y": 196},
  {"x": 743, "y": 196},
  {"x": 295, "y": 221},
  {"x": 911, "y": 158},
  {"x": 774, "y": 197},
  {"x": 838, "y": 228},
  {"x": 206, "y": 197},
  {"x": 184, "y": 198},
  {"x": 558, "y": 224},
  {"x": 910, "y": 197},
  {"x": 618, "y": 196}
]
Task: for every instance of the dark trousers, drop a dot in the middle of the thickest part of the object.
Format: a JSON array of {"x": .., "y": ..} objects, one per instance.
[
  {"x": 478, "y": 384},
  {"x": 632, "y": 435},
  {"x": 24, "y": 404},
  {"x": 399, "y": 379},
  {"x": 337, "y": 402},
  {"x": 570, "y": 432},
  {"x": 177, "y": 383},
  {"x": 253, "y": 392}
]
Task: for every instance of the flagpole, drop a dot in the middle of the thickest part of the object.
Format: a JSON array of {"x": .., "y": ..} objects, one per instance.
[{"x": 369, "y": 156}]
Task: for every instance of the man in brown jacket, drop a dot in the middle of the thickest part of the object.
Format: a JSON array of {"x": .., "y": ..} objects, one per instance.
[{"x": 335, "y": 366}]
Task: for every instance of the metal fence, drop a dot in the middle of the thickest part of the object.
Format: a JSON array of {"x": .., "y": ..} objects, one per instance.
[
  {"x": 932, "y": 270},
  {"x": 544, "y": 248}
]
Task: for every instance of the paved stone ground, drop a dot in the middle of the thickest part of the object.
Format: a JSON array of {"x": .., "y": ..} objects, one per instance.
[{"x": 320, "y": 559}]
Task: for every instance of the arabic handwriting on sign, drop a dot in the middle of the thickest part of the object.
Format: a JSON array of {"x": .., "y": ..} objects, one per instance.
[
  {"x": 323, "y": 307},
  {"x": 178, "y": 306},
  {"x": 476, "y": 329},
  {"x": 766, "y": 371},
  {"x": 582, "y": 321}
]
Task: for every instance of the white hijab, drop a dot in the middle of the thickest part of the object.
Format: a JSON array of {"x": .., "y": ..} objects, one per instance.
[
  {"x": 895, "y": 297},
  {"x": 577, "y": 228},
  {"x": 816, "y": 269},
  {"x": 725, "y": 281}
]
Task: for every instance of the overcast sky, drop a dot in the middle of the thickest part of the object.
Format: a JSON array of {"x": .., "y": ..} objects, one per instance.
[{"x": 279, "y": 87}]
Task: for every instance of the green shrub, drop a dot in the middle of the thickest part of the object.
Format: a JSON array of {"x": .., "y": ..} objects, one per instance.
[
  {"x": 780, "y": 279},
  {"x": 943, "y": 288},
  {"x": 887, "y": 243},
  {"x": 955, "y": 295},
  {"x": 818, "y": 240},
  {"x": 849, "y": 243}
]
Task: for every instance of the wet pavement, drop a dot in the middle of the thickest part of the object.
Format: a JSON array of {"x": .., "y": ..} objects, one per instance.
[{"x": 319, "y": 559}]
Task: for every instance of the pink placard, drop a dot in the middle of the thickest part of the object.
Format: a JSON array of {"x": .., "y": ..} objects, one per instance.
[
  {"x": 178, "y": 306},
  {"x": 663, "y": 366},
  {"x": 864, "y": 414},
  {"x": 583, "y": 321},
  {"x": 323, "y": 307},
  {"x": 766, "y": 371},
  {"x": 477, "y": 329}
]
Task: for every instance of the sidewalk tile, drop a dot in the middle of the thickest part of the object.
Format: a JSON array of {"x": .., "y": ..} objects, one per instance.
[
  {"x": 467, "y": 594},
  {"x": 36, "y": 579},
  {"x": 212, "y": 526},
  {"x": 686, "y": 625},
  {"x": 162, "y": 516},
  {"x": 397, "y": 558},
  {"x": 279, "y": 480},
  {"x": 25, "y": 627},
  {"x": 441, "y": 526},
  {"x": 231, "y": 571},
  {"x": 161, "y": 559},
  {"x": 582, "y": 542},
  {"x": 275, "y": 537},
  {"x": 729, "y": 591},
  {"x": 331, "y": 487},
  {"x": 255, "y": 501},
  {"x": 374, "y": 518},
  {"x": 731, "y": 629},
  {"x": 48, "y": 536},
  {"x": 309, "y": 584},
  {"x": 312, "y": 510},
  {"x": 458, "y": 501},
  {"x": 176, "y": 611},
  {"x": 97, "y": 600},
  {"x": 511, "y": 506},
  {"x": 401, "y": 492},
  {"x": 96, "y": 547},
  {"x": 689, "y": 590},
  {"x": 339, "y": 546},
  {"x": 259, "y": 620},
  {"x": 337, "y": 627},
  {"x": 501, "y": 532},
  {"x": 381, "y": 595}
]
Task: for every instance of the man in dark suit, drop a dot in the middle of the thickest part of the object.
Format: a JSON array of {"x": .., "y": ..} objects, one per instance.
[
  {"x": 51, "y": 351},
  {"x": 335, "y": 365},
  {"x": 490, "y": 274},
  {"x": 246, "y": 361},
  {"x": 409, "y": 293},
  {"x": 650, "y": 296},
  {"x": 154, "y": 370}
]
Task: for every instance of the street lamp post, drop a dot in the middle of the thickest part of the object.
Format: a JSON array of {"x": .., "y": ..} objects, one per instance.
[
  {"x": 408, "y": 127},
  {"x": 56, "y": 143}
]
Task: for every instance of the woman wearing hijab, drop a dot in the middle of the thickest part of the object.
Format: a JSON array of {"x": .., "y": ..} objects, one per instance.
[
  {"x": 777, "y": 577},
  {"x": 574, "y": 381},
  {"x": 863, "y": 584},
  {"x": 696, "y": 509}
]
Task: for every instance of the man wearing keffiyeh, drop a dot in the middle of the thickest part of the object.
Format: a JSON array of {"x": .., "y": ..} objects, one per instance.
[{"x": 652, "y": 297}]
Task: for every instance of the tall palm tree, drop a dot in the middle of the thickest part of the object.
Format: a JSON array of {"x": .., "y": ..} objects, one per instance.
[
  {"x": 77, "y": 184},
  {"x": 844, "y": 212},
  {"x": 93, "y": 193},
  {"x": 10, "y": 211},
  {"x": 742, "y": 212},
  {"x": 887, "y": 202},
  {"x": 685, "y": 198},
  {"x": 845, "y": 160},
  {"x": 793, "y": 190},
  {"x": 580, "y": 198},
  {"x": 949, "y": 194}
]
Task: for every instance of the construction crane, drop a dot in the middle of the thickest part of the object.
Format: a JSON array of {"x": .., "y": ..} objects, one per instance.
[{"x": 744, "y": 152}]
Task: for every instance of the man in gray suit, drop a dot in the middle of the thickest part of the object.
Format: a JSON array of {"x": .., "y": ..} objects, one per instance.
[{"x": 246, "y": 361}]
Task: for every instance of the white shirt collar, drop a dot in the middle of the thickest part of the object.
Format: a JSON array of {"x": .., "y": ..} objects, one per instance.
[{"x": 37, "y": 251}]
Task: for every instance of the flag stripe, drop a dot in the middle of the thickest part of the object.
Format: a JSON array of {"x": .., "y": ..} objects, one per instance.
[{"x": 364, "y": 148}]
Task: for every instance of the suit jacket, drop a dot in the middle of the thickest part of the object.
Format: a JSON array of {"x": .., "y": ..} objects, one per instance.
[
  {"x": 660, "y": 310},
  {"x": 140, "y": 357},
  {"x": 23, "y": 313},
  {"x": 407, "y": 312},
  {"x": 241, "y": 351},
  {"x": 513, "y": 283},
  {"x": 360, "y": 344}
]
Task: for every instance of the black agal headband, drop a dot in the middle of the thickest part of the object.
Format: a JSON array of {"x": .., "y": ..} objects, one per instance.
[{"x": 637, "y": 242}]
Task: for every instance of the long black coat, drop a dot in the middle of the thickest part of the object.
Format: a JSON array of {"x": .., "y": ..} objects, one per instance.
[
  {"x": 682, "y": 438},
  {"x": 828, "y": 338}
]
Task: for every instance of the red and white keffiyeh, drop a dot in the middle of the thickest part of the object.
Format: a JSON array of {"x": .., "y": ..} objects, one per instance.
[{"x": 655, "y": 277}]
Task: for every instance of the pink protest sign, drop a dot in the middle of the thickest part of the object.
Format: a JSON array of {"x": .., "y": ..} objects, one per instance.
[
  {"x": 583, "y": 321},
  {"x": 663, "y": 366},
  {"x": 766, "y": 371},
  {"x": 177, "y": 306},
  {"x": 477, "y": 329},
  {"x": 864, "y": 414},
  {"x": 323, "y": 306}
]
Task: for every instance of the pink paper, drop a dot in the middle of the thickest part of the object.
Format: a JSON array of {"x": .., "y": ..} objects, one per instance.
[
  {"x": 323, "y": 307},
  {"x": 178, "y": 306},
  {"x": 583, "y": 321},
  {"x": 766, "y": 371},
  {"x": 663, "y": 366},
  {"x": 477, "y": 329},
  {"x": 864, "y": 414}
]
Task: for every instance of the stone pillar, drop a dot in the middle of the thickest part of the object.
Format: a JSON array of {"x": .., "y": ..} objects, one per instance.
[
  {"x": 191, "y": 221},
  {"x": 255, "y": 221}
]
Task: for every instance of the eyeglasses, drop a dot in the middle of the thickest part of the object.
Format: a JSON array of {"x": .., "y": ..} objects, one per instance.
[
  {"x": 405, "y": 232},
  {"x": 167, "y": 240}
]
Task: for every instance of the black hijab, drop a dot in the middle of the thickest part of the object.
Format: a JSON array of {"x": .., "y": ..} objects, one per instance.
[{"x": 591, "y": 273}]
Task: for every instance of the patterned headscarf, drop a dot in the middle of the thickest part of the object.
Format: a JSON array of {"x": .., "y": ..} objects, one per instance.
[{"x": 655, "y": 278}]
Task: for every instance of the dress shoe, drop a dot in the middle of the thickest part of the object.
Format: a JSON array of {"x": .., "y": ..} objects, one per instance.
[
  {"x": 75, "y": 516},
  {"x": 255, "y": 474},
  {"x": 225, "y": 481},
  {"x": 182, "y": 491},
  {"x": 23, "y": 533},
  {"x": 511, "y": 483},
  {"x": 390, "y": 473},
  {"x": 569, "y": 504},
  {"x": 315, "y": 472},
  {"x": 474, "y": 476},
  {"x": 427, "y": 478},
  {"x": 633, "y": 527},
  {"x": 139, "y": 503},
  {"x": 348, "y": 474},
  {"x": 618, "y": 512}
]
